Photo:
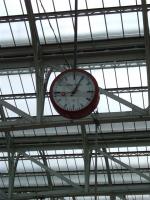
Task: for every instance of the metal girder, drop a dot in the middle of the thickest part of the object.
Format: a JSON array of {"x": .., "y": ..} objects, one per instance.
[
  {"x": 71, "y": 13},
  {"x": 49, "y": 180},
  {"x": 101, "y": 191},
  {"x": 16, "y": 110},
  {"x": 125, "y": 165},
  {"x": 87, "y": 158},
  {"x": 117, "y": 50},
  {"x": 112, "y": 197},
  {"x": 51, "y": 171},
  {"x": 147, "y": 43},
  {"x": 53, "y": 121},
  {"x": 39, "y": 69},
  {"x": 124, "y": 102},
  {"x": 112, "y": 90},
  {"x": 105, "y": 140},
  {"x": 3, "y": 196},
  {"x": 12, "y": 170}
]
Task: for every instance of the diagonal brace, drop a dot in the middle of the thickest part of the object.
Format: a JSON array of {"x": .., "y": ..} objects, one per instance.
[
  {"x": 125, "y": 165},
  {"x": 16, "y": 110},
  {"x": 123, "y": 101},
  {"x": 51, "y": 171}
]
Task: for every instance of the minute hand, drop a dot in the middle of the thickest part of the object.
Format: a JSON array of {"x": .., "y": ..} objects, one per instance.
[{"x": 75, "y": 89}]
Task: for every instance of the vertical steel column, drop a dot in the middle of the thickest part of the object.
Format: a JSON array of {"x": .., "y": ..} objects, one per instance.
[
  {"x": 147, "y": 45},
  {"x": 87, "y": 158},
  {"x": 37, "y": 60}
]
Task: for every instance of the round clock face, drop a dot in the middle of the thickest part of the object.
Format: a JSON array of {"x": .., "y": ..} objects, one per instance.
[{"x": 74, "y": 93}]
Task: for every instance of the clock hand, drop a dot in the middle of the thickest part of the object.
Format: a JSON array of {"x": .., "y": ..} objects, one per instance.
[{"x": 75, "y": 89}]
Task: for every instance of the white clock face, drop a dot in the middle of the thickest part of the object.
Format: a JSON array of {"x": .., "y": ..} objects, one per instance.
[{"x": 73, "y": 91}]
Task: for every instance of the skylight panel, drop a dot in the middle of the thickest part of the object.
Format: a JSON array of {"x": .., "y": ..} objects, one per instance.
[
  {"x": 62, "y": 5},
  {"x": 143, "y": 74},
  {"x": 5, "y": 85},
  {"x": 42, "y": 6},
  {"x": 32, "y": 106},
  {"x": 66, "y": 29},
  {"x": 94, "y": 4},
  {"x": 130, "y": 24},
  {"x": 83, "y": 28},
  {"x": 114, "y": 25},
  {"x": 134, "y": 77},
  {"x": 110, "y": 3},
  {"x": 28, "y": 81},
  {"x": 20, "y": 33},
  {"x": 98, "y": 26},
  {"x": 15, "y": 83},
  {"x": 110, "y": 80},
  {"x": 6, "y": 38},
  {"x": 122, "y": 78},
  {"x": 3, "y": 9},
  {"x": 138, "y": 99},
  {"x": 129, "y": 2},
  {"x": 13, "y": 7}
]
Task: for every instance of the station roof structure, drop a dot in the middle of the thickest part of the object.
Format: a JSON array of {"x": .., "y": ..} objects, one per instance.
[{"x": 104, "y": 156}]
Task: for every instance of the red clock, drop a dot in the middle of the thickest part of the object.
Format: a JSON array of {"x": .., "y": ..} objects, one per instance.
[{"x": 74, "y": 93}]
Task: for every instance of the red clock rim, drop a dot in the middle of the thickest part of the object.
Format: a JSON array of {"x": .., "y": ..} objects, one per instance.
[{"x": 84, "y": 111}]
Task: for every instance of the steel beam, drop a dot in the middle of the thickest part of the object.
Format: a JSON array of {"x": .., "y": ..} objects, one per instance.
[
  {"x": 16, "y": 110},
  {"x": 102, "y": 190},
  {"x": 71, "y": 13},
  {"x": 125, "y": 165},
  {"x": 112, "y": 90},
  {"x": 39, "y": 69},
  {"x": 53, "y": 121},
  {"x": 135, "y": 108},
  {"x": 3, "y": 195},
  {"x": 147, "y": 43},
  {"x": 87, "y": 158},
  {"x": 49, "y": 180},
  {"x": 51, "y": 171},
  {"x": 105, "y": 140},
  {"x": 104, "y": 51}
]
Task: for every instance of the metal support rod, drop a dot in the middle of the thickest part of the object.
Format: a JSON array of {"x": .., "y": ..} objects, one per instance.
[
  {"x": 53, "y": 121},
  {"x": 75, "y": 33},
  {"x": 112, "y": 197},
  {"x": 12, "y": 170},
  {"x": 102, "y": 190},
  {"x": 87, "y": 157},
  {"x": 7, "y": 138},
  {"x": 124, "y": 102},
  {"x": 125, "y": 165},
  {"x": 51, "y": 171},
  {"x": 37, "y": 60},
  {"x": 147, "y": 44},
  {"x": 47, "y": 173},
  {"x": 16, "y": 110}
]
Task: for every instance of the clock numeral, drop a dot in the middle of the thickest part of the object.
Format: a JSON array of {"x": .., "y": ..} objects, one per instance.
[{"x": 88, "y": 99}]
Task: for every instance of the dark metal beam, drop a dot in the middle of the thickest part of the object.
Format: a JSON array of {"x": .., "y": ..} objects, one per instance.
[
  {"x": 51, "y": 171},
  {"x": 105, "y": 51},
  {"x": 128, "y": 189},
  {"x": 39, "y": 70},
  {"x": 147, "y": 43},
  {"x": 112, "y": 90},
  {"x": 105, "y": 140},
  {"x": 53, "y": 121},
  {"x": 71, "y": 13}
]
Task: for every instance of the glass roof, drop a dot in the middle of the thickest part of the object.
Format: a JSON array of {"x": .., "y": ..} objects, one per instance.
[{"x": 104, "y": 156}]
